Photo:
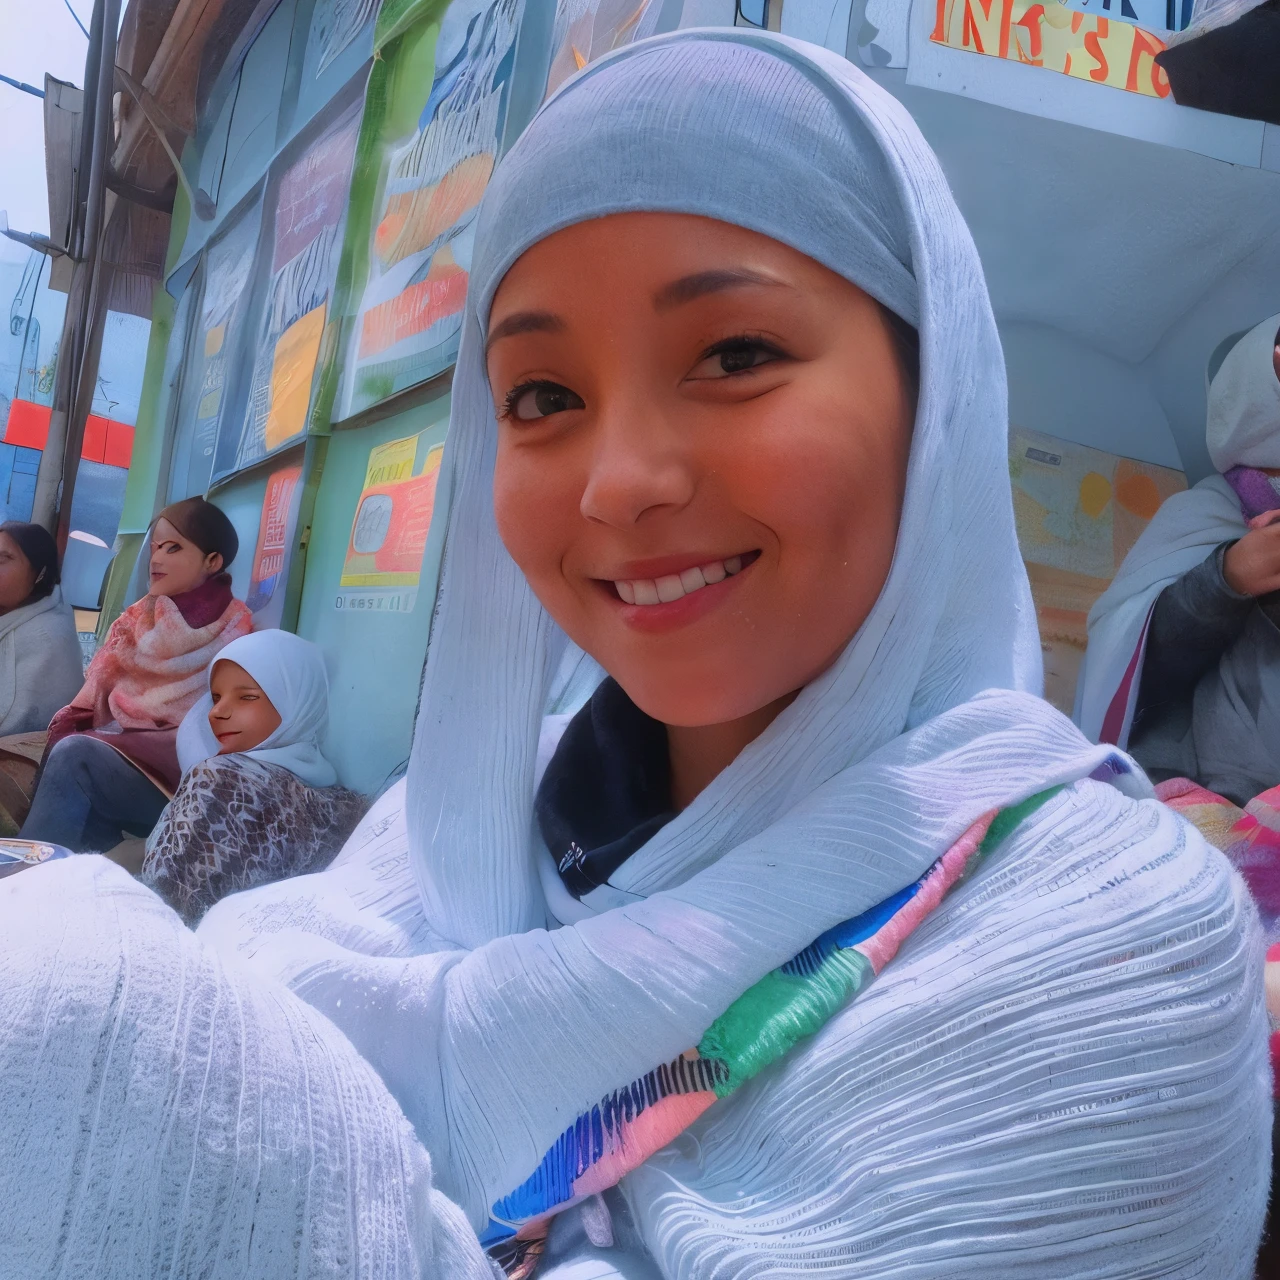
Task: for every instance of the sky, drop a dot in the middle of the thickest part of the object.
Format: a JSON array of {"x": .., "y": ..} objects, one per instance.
[{"x": 35, "y": 36}]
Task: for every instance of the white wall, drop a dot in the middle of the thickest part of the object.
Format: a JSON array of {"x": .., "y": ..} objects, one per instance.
[
  {"x": 707, "y": 13},
  {"x": 1062, "y": 386}
]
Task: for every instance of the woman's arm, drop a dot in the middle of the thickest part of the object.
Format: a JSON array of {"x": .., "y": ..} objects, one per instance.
[{"x": 1195, "y": 620}]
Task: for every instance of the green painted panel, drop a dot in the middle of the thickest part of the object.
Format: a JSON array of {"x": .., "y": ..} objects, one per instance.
[{"x": 374, "y": 658}]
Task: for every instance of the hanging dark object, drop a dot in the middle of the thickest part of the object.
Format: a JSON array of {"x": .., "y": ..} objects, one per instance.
[{"x": 1233, "y": 70}]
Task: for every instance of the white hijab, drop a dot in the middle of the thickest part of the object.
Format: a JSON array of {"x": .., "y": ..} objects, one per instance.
[
  {"x": 634, "y": 131},
  {"x": 290, "y": 671},
  {"x": 1242, "y": 430}
]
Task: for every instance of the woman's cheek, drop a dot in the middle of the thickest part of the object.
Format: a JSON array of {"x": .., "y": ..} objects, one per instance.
[{"x": 530, "y": 521}]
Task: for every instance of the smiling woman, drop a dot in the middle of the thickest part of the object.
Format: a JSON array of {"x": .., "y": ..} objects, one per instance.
[
  {"x": 704, "y": 491},
  {"x": 820, "y": 945}
]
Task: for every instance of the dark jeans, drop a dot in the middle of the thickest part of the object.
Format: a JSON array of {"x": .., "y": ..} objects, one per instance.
[{"x": 89, "y": 797}]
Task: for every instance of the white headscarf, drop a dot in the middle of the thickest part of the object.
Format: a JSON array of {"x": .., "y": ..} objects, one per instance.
[
  {"x": 1242, "y": 430},
  {"x": 634, "y": 132},
  {"x": 290, "y": 671}
]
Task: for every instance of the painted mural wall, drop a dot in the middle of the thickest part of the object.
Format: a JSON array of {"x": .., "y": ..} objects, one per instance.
[{"x": 299, "y": 367}]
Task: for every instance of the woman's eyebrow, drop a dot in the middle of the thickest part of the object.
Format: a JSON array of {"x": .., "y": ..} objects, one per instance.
[
  {"x": 687, "y": 288},
  {"x": 523, "y": 322}
]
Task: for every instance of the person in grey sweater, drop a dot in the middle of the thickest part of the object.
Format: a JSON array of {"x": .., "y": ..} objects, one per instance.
[
  {"x": 1183, "y": 665},
  {"x": 41, "y": 668}
]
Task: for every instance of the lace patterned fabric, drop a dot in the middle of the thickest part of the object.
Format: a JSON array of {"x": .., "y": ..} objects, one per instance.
[{"x": 236, "y": 823}]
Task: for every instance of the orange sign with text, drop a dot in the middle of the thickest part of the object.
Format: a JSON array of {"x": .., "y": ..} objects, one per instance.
[{"x": 1086, "y": 46}]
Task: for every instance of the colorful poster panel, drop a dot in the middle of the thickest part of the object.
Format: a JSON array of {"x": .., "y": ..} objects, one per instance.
[
  {"x": 419, "y": 250},
  {"x": 1089, "y": 47},
  {"x": 586, "y": 29},
  {"x": 223, "y": 307},
  {"x": 276, "y": 528},
  {"x": 383, "y": 565},
  {"x": 1079, "y": 511},
  {"x": 334, "y": 25},
  {"x": 311, "y": 203}
]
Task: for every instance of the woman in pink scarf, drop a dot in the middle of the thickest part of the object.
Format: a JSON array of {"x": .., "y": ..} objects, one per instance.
[{"x": 111, "y": 762}]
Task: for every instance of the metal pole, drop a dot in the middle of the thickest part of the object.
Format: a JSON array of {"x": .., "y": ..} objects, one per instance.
[{"x": 77, "y": 356}]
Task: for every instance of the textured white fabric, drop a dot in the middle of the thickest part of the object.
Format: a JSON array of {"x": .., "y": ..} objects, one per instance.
[
  {"x": 41, "y": 668},
  {"x": 290, "y": 671},
  {"x": 167, "y": 1116},
  {"x": 1243, "y": 423},
  {"x": 1068, "y": 1064},
  {"x": 1243, "y": 429}
]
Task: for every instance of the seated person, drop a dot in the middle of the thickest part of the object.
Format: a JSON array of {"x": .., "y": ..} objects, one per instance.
[
  {"x": 40, "y": 664},
  {"x": 111, "y": 762},
  {"x": 1183, "y": 664},
  {"x": 825, "y": 946},
  {"x": 257, "y": 801}
]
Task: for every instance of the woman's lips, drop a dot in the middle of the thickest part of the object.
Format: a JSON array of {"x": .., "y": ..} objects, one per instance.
[{"x": 672, "y": 600}]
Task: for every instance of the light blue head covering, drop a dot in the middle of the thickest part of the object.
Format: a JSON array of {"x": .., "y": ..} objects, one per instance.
[{"x": 786, "y": 139}]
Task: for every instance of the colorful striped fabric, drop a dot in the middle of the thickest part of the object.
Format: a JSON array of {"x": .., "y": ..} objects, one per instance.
[
  {"x": 1250, "y": 837},
  {"x": 758, "y": 1029}
]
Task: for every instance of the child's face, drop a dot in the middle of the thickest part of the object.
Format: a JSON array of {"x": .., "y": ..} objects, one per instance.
[{"x": 242, "y": 716}]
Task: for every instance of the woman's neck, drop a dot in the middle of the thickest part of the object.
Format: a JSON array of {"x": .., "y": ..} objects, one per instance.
[{"x": 700, "y": 752}]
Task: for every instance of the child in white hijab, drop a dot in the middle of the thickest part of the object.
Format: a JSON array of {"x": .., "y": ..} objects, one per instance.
[{"x": 258, "y": 800}]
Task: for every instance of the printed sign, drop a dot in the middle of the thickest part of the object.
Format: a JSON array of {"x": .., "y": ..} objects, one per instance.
[
  {"x": 1089, "y": 47},
  {"x": 416, "y": 260},
  {"x": 276, "y": 527},
  {"x": 1079, "y": 512},
  {"x": 383, "y": 565},
  {"x": 228, "y": 266},
  {"x": 311, "y": 203}
]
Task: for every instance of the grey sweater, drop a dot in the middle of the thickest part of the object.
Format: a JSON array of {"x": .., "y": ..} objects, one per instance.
[
  {"x": 1209, "y": 700},
  {"x": 41, "y": 669}
]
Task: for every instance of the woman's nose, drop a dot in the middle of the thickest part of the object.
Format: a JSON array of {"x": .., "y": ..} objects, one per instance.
[{"x": 637, "y": 465}]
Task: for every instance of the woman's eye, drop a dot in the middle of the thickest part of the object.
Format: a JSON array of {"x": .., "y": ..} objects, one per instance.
[
  {"x": 534, "y": 400},
  {"x": 735, "y": 355}
]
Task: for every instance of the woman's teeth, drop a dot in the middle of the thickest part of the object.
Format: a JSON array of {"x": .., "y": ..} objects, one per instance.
[{"x": 674, "y": 585}]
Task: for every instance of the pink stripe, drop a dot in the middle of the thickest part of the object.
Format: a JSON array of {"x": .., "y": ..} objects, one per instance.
[
  {"x": 650, "y": 1131},
  {"x": 883, "y": 945},
  {"x": 1113, "y": 721}
]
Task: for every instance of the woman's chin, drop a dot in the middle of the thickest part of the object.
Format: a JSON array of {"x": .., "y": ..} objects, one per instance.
[{"x": 682, "y": 699}]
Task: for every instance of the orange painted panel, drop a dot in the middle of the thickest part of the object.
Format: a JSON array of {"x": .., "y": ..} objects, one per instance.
[
  {"x": 28, "y": 424},
  {"x": 105, "y": 439}
]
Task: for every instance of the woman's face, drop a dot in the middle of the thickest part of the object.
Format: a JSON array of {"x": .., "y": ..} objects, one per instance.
[
  {"x": 242, "y": 716},
  {"x": 177, "y": 564},
  {"x": 703, "y": 441},
  {"x": 17, "y": 576}
]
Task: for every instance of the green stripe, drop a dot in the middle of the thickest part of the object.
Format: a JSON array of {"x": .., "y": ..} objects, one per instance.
[{"x": 766, "y": 1022}]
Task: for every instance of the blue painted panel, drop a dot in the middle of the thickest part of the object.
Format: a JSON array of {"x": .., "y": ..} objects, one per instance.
[{"x": 18, "y": 469}]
